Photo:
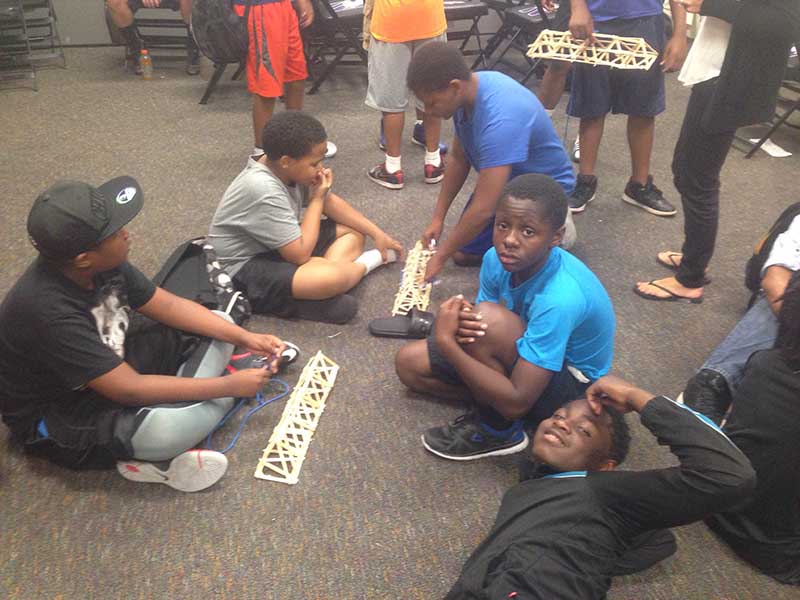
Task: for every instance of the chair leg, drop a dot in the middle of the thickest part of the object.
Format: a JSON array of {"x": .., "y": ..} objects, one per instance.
[
  {"x": 772, "y": 129},
  {"x": 219, "y": 69}
]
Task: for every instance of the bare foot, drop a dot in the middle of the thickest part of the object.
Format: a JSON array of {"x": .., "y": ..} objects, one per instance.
[
  {"x": 670, "y": 259},
  {"x": 668, "y": 288}
]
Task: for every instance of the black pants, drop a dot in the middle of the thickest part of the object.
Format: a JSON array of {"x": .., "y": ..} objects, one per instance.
[{"x": 696, "y": 165}]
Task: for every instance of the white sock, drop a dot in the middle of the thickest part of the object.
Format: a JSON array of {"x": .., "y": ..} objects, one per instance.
[
  {"x": 549, "y": 112},
  {"x": 371, "y": 259},
  {"x": 393, "y": 164},
  {"x": 418, "y": 122},
  {"x": 433, "y": 158},
  {"x": 257, "y": 151}
]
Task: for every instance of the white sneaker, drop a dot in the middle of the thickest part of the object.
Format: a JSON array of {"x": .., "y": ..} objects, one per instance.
[
  {"x": 330, "y": 150},
  {"x": 576, "y": 150},
  {"x": 192, "y": 471}
]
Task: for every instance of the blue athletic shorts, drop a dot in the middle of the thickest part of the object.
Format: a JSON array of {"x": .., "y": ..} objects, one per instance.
[{"x": 597, "y": 91}]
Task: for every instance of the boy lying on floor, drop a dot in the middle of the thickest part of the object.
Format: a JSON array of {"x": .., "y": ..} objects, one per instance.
[
  {"x": 80, "y": 379},
  {"x": 541, "y": 330},
  {"x": 577, "y": 522},
  {"x": 287, "y": 265}
]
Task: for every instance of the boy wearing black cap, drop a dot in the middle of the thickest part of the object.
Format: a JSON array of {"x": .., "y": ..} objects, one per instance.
[{"x": 79, "y": 378}]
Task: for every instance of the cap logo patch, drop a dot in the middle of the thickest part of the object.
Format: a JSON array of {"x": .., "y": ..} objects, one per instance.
[{"x": 126, "y": 195}]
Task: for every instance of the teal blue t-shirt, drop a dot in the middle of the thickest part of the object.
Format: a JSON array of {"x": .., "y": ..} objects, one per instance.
[{"x": 567, "y": 310}]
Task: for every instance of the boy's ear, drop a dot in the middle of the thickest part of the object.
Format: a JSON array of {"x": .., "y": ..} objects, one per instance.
[
  {"x": 558, "y": 236},
  {"x": 82, "y": 261},
  {"x": 285, "y": 161},
  {"x": 607, "y": 465}
]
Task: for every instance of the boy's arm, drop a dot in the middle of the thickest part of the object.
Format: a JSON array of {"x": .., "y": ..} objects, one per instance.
[
  {"x": 339, "y": 210},
  {"x": 125, "y": 386},
  {"x": 774, "y": 285},
  {"x": 581, "y": 24},
  {"x": 713, "y": 474},
  {"x": 677, "y": 47},
  {"x": 299, "y": 251},
  {"x": 511, "y": 396},
  {"x": 183, "y": 314},
  {"x": 454, "y": 177},
  {"x": 484, "y": 203}
]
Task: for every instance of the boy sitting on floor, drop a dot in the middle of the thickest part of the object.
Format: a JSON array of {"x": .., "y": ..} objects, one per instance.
[
  {"x": 80, "y": 379},
  {"x": 575, "y": 522},
  {"x": 288, "y": 265},
  {"x": 541, "y": 330}
]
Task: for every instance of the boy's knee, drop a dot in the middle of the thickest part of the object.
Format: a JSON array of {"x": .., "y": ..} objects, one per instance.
[
  {"x": 410, "y": 361},
  {"x": 503, "y": 328},
  {"x": 116, "y": 6}
]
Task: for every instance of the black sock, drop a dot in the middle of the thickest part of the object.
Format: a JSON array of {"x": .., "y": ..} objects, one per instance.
[
  {"x": 494, "y": 419},
  {"x": 132, "y": 38}
]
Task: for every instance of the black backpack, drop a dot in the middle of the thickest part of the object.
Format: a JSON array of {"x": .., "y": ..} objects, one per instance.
[
  {"x": 192, "y": 271},
  {"x": 220, "y": 33},
  {"x": 752, "y": 271}
]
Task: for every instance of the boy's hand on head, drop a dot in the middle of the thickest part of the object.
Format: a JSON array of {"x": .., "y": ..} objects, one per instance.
[
  {"x": 323, "y": 184},
  {"x": 384, "y": 242},
  {"x": 247, "y": 382},
  {"x": 470, "y": 324},
  {"x": 616, "y": 393}
]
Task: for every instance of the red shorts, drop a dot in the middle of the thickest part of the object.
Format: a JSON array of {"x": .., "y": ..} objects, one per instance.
[{"x": 275, "y": 53}]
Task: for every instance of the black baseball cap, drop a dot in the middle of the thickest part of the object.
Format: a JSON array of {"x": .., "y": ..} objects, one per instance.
[{"x": 71, "y": 217}]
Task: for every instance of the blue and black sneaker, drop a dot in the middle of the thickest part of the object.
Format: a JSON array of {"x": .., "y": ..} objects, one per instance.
[{"x": 467, "y": 438}]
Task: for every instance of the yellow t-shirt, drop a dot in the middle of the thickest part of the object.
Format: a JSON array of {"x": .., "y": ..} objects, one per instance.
[{"x": 407, "y": 20}]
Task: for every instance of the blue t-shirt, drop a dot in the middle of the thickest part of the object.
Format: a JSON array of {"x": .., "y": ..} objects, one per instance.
[
  {"x": 508, "y": 126},
  {"x": 605, "y": 10},
  {"x": 567, "y": 310}
]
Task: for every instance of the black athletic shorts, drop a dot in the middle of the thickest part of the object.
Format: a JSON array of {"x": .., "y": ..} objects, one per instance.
[
  {"x": 89, "y": 431},
  {"x": 135, "y": 5},
  {"x": 266, "y": 279}
]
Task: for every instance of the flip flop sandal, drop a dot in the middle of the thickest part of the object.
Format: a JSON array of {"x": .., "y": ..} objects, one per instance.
[
  {"x": 414, "y": 326},
  {"x": 673, "y": 297},
  {"x": 672, "y": 265}
]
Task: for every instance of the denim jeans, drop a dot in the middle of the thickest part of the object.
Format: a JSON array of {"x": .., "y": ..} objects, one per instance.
[{"x": 755, "y": 331}]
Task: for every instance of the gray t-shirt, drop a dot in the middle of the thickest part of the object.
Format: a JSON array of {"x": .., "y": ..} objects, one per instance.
[{"x": 257, "y": 213}]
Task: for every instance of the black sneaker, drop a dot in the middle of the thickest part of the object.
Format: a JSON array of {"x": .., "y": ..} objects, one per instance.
[
  {"x": 708, "y": 393},
  {"x": 132, "y": 64},
  {"x": 467, "y": 439},
  {"x": 648, "y": 197},
  {"x": 584, "y": 192}
]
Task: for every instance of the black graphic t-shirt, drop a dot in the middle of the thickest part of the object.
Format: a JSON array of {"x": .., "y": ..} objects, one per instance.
[{"x": 56, "y": 337}]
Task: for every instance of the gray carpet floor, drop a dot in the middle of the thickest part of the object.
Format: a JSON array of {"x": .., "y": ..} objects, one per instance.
[{"x": 374, "y": 515}]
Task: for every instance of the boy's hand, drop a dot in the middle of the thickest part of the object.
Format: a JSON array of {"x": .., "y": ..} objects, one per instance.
[
  {"x": 267, "y": 345},
  {"x": 616, "y": 393},
  {"x": 432, "y": 233},
  {"x": 247, "y": 382},
  {"x": 445, "y": 327},
  {"x": 384, "y": 242},
  {"x": 470, "y": 324},
  {"x": 306, "y": 13},
  {"x": 323, "y": 184},
  {"x": 435, "y": 265},
  {"x": 692, "y": 6},
  {"x": 581, "y": 24},
  {"x": 674, "y": 54}
]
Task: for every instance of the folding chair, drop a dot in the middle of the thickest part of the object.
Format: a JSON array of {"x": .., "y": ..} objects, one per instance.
[
  {"x": 466, "y": 10},
  {"x": 524, "y": 22},
  {"x": 336, "y": 32},
  {"x": 15, "y": 47},
  {"x": 789, "y": 85},
  {"x": 504, "y": 31}
]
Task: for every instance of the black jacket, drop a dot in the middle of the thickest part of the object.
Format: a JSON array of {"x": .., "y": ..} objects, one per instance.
[
  {"x": 563, "y": 535},
  {"x": 765, "y": 423},
  {"x": 762, "y": 34}
]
